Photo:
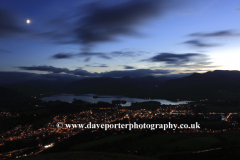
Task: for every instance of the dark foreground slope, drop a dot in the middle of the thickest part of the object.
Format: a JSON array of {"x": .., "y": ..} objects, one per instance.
[
  {"x": 12, "y": 99},
  {"x": 223, "y": 154},
  {"x": 86, "y": 156}
]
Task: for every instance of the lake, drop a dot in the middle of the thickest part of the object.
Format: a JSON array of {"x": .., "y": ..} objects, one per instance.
[{"x": 106, "y": 98}]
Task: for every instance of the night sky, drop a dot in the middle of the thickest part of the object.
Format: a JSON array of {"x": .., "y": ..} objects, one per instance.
[{"x": 116, "y": 38}]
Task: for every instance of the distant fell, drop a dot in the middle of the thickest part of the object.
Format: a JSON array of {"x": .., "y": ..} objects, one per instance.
[{"x": 216, "y": 84}]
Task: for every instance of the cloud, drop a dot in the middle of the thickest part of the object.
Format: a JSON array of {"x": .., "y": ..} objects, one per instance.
[
  {"x": 135, "y": 73},
  {"x": 62, "y": 56},
  {"x": 102, "y": 65},
  {"x": 183, "y": 61},
  {"x": 88, "y": 55},
  {"x": 125, "y": 53},
  {"x": 15, "y": 77},
  {"x": 79, "y": 72},
  {"x": 87, "y": 59},
  {"x": 105, "y": 21},
  {"x": 58, "y": 36},
  {"x": 172, "y": 58},
  {"x": 128, "y": 67},
  {"x": 84, "y": 73},
  {"x": 9, "y": 25},
  {"x": 46, "y": 68},
  {"x": 224, "y": 33},
  {"x": 4, "y": 51},
  {"x": 198, "y": 43}
]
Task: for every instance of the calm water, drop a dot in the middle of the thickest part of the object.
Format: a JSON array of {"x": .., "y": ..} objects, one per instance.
[{"x": 105, "y": 98}]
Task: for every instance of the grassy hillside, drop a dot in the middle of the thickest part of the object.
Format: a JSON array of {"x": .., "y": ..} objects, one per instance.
[{"x": 86, "y": 156}]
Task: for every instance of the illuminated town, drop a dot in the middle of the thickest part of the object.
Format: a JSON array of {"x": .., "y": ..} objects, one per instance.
[{"x": 26, "y": 140}]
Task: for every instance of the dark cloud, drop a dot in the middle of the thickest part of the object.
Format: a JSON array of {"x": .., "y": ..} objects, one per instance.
[
  {"x": 135, "y": 73},
  {"x": 62, "y": 56},
  {"x": 224, "y": 33},
  {"x": 90, "y": 54},
  {"x": 198, "y": 43},
  {"x": 79, "y": 72},
  {"x": 125, "y": 53},
  {"x": 102, "y": 65},
  {"x": 58, "y": 36},
  {"x": 84, "y": 73},
  {"x": 187, "y": 60},
  {"x": 15, "y": 77},
  {"x": 46, "y": 68},
  {"x": 172, "y": 58},
  {"x": 87, "y": 59},
  {"x": 128, "y": 67},
  {"x": 4, "y": 51},
  {"x": 101, "y": 21},
  {"x": 9, "y": 25}
]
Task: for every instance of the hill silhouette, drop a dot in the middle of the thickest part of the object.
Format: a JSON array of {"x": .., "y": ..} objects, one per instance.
[{"x": 216, "y": 84}]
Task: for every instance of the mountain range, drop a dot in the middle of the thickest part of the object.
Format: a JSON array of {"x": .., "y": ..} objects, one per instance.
[{"x": 214, "y": 84}]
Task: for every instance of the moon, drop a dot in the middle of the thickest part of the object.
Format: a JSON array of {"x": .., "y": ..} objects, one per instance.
[{"x": 28, "y": 21}]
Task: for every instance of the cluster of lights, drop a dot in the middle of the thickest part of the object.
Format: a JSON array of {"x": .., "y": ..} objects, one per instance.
[{"x": 49, "y": 145}]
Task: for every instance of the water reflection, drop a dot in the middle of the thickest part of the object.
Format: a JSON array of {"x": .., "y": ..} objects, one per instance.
[{"x": 106, "y": 98}]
